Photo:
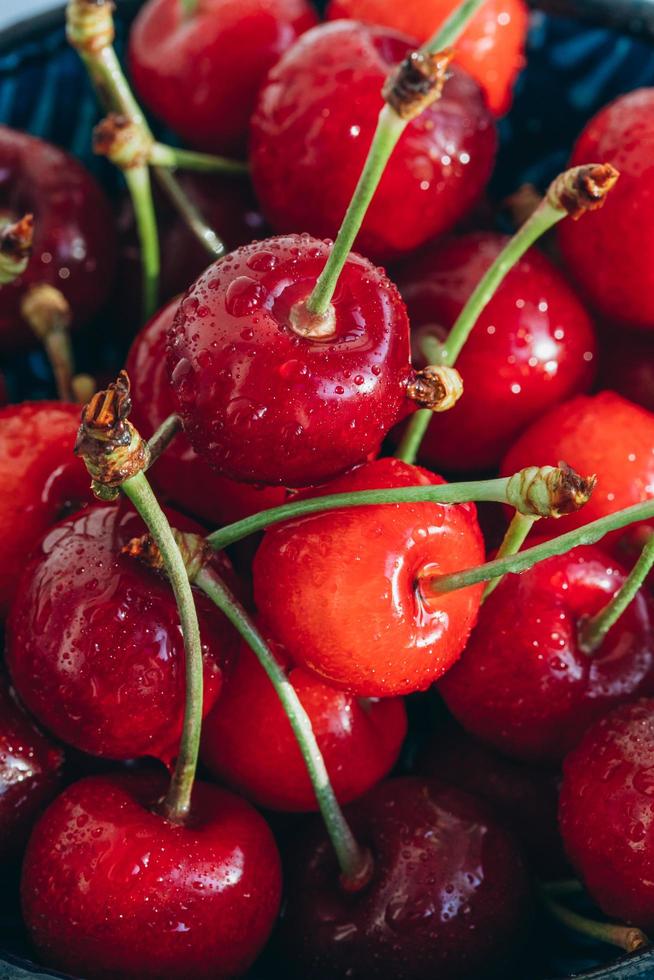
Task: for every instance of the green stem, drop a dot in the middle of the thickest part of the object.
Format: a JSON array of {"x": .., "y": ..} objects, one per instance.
[
  {"x": 188, "y": 7},
  {"x": 516, "y": 532},
  {"x": 450, "y": 30},
  {"x": 627, "y": 938},
  {"x": 162, "y": 155},
  {"x": 187, "y": 210},
  {"x": 562, "y": 887},
  {"x": 178, "y": 798},
  {"x": 354, "y": 862},
  {"x": 138, "y": 183},
  {"x": 162, "y": 438}
]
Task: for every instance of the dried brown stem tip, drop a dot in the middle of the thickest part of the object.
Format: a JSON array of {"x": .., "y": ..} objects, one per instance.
[
  {"x": 436, "y": 387},
  {"x": 549, "y": 491},
  {"x": 45, "y": 308},
  {"x": 417, "y": 82},
  {"x": 195, "y": 552},
  {"x": 582, "y": 189},
  {"x": 90, "y": 25},
  {"x": 15, "y": 248},
  {"x": 124, "y": 142}
]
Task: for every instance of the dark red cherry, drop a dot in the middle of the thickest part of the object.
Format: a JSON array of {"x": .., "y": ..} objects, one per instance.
[
  {"x": 41, "y": 480},
  {"x": 180, "y": 474},
  {"x": 611, "y": 253},
  {"x": 94, "y": 647},
  {"x": 523, "y": 683},
  {"x": 607, "y": 812},
  {"x": 448, "y": 896},
  {"x": 200, "y": 72},
  {"x": 308, "y": 143},
  {"x": 341, "y": 590},
  {"x": 74, "y": 237},
  {"x": 531, "y": 347},
  {"x": 261, "y": 402},
  {"x": 627, "y": 365},
  {"x": 112, "y": 889},
  {"x": 360, "y": 739}
]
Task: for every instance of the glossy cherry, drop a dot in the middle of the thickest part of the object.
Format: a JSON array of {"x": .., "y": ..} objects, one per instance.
[
  {"x": 74, "y": 237},
  {"x": 264, "y": 404},
  {"x": 360, "y": 740},
  {"x": 200, "y": 72},
  {"x": 40, "y": 478},
  {"x": 340, "y": 589},
  {"x": 532, "y": 346},
  {"x": 308, "y": 143},
  {"x": 448, "y": 897},
  {"x": 607, "y": 812},
  {"x": 180, "y": 474},
  {"x": 491, "y": 48},
  {"x": 112, "y": 889},
  {"x": 95, "y": 649}
]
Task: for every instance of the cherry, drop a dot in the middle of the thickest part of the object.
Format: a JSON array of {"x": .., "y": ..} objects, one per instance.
[
  {"x": 359, "y": 740},
  {"x": 264, "y": 403},
  {"x": 30, "y": 774},
  {"x": 308, "y": 143},
  {"x": 94, "y": 644},
  {"x": 491, "y": 48},
  {"x": 607, "y": 812},
  {"x": 627, "y": 366},
  {"x": 110, "y": 888},
  {"x": 448, "y": 896},
  {"x": 525, "y": 684},
  {"x": 179, "y": 473},
  {"x": 74, "y": 238},
  {"x": 532, "y": 346},
  {"x": 200, "y": 71},
  {"x": 341, "y": 589},
  {"x": 40, "y": 478}
]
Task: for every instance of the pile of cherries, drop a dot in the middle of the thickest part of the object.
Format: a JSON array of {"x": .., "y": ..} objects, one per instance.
[{"x": 539, "y": 760}]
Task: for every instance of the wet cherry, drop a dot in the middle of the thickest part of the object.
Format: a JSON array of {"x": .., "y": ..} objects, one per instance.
[{"x": 308, "y": 143}]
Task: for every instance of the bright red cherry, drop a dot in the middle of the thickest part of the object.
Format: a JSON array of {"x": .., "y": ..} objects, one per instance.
[
  {"x": 263, "y": 403},
  {"x": 308, "y": 143},
  {"x": 607, "y": 812},
  {"x": 95, "y": 648},
  {"x": 491, "y": 48},
  {"x": 532, "y": 346},
  {"x": 448, "y": 897},
  {"x": 112, "y": 889},
  {"x": 180, "y": 474},
  {"x": 41, "y": 480},
  {"x": 74, "y": 238},
  {"x": 611, "y": 253},
  {"x": 360, "y": 740},
  {"x": 341, "y": 589},
  {"x": 523, "y": 683},
  {"x": 200, "y": 72},
  {"x": 627, "y": 366}
]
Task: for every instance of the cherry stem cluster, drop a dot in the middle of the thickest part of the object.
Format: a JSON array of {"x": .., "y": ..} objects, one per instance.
[
  {"x": 624, "y": 937},
  {"x": 512, "y": 542}
]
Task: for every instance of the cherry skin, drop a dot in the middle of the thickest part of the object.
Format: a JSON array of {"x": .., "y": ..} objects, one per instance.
[
  {"x": 607, "y": 812},
  {"x": 40, "y": 479},
  {"x": 491, "y": 48},
  {"x": 340, "y": 589},
  {"x": 264, "y": 404},
  {"x": 201, "y": 72},
  {"x": 180, "y": 474},
  {"x": 359, "y": 740},
  {"x": 74, "y": 238},
  {"x": 95, "y": 649},
  {"x": 448, "y": 897},
  {"x": 308, "y": 143},
  {"x": 532, "y": 346},
  {"x": 112, "y": 889},
  {"x": 627, "y": 366}
]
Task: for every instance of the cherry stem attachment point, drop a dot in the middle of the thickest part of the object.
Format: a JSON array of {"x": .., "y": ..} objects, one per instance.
[
  {"x": 624, "y": 937},
  {"x": 16, "y": 239},
  {"x": 512, "y": 542},
  {"x": 162, "y": 155},
  {"x": 163, "y": 437}
]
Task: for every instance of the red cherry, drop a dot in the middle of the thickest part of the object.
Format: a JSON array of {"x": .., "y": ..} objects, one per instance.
[
  {"x": 308, "y": 143},
  {"x": 607, "y": 812},
  {"x": 611, "y": 253},
  {"x": 266, "y": 405},
  {"x": 491, "y": 48},
  {"x": 94, "y": 644},
  {"x": 201, "y": 72},
  {"x": 179, "y": 473},
  {"x": 627, "y": 366},
  {"x": 111, "y": 889},
  {"x": 74, "y": 239},
  {"x": 340, "y": 589},
  {"x": 360, "y": 740},
  {"x": 523, "y": 683},
  {"x": 532, "y": 346},
  {"x": 40, "y": 479},
  {"x": 449, "y": 896}
]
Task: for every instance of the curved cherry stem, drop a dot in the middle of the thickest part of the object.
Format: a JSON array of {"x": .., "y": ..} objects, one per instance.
[
  {"x": 140, "y": 189},
  {"x": 162, "y": 155},
  {"x": 191, "y": 216},
  {"x": 512, "y": 542},
  {"x": 627, "y": 938},
  {"x": 163, "y": 437}
]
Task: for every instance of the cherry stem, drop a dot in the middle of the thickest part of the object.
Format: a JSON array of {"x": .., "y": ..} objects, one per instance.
[
  {"x": 354, "y": 862},
  {"x": 140, "y": 189},
  {"x": 627, "y": 938},
  {"x": 48, "y": 313},
  {"x": 177, "y": 803},
  {"x": 562, "y": 887},
  {"x": 512, "y": 542},
  {"x": 163, "y": 437},
  {"x": 188, "y": 7},
  {"x": 191, "y": 216},
  {"x": 162, "y": 155},
  {"x": 594, "y": 629}
]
